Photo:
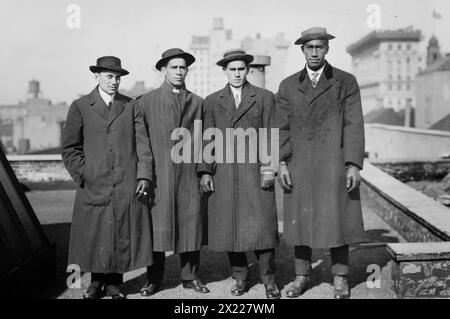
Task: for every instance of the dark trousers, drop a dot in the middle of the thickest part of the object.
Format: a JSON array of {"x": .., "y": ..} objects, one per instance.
[
  {"x": 339, "y": 260},
  {"x": 266, "y": 264},
  {"x": 189, "y": 261},
  {"x": 100, "y": 279}
]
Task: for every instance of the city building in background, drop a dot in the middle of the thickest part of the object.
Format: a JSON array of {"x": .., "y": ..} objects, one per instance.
[
  {"x": 433, "y": 90},
  {"x": 33, "y": 125},
  {"x": 385, "y": 64},
  {"x": 136, "y": 90},
  {"x": 206, "y": 77}
]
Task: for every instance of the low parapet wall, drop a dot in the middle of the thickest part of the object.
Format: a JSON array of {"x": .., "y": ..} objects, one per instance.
[
  {"x": 41, "y": 171},
  {"x": 414, "y": 215},
  {"x": 397, "y": 142}
]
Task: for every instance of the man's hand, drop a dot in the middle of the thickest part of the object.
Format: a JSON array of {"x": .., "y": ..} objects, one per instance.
[
  {"x": 206, "y": 183},
  {"x": 284, "y": 178},
  {"x": 142, "y": 189},
  {"x": 353, "y": 178},
  {"x": 267, "y": 181}
]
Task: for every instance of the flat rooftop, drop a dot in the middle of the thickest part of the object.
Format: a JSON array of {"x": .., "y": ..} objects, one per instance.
[{"x": 54, "y": 211}]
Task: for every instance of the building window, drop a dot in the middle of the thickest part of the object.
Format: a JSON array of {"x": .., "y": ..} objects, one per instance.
[
  {"x": 399, "y": 77},
  {"x": 408, "y": 87},
  {"x": 408, "y": 60},
  {"x": 390, "y": 47},
  {"x": 399, "y": 87},
  {"x": 408, "y": 46},
  {"x": 390, "y": 76},
  {"x": 399, "y": 46},
  {"x": 390, "y": 102},
  {"x": 390, "y": 87}
]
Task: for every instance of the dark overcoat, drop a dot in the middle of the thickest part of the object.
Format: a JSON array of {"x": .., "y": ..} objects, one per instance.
[
  {"x": 106, "y": 152},
  {"x": 176, "y": 209},
  {"x": 321, "y": 129},
  {"x": 241, "y": 216}
]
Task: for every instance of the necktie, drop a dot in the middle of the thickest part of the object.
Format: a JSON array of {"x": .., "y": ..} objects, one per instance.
[
  {"x": 314, "y": 79},
  {"x": 237, "y": 100}
]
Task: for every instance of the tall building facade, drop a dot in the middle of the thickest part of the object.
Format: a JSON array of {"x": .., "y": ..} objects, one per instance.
[
  {"x": 385, "y": 64},
  {"x": 433, "y": 88},
  {"x": 33, "y": 125},
  {"x": 205, "y": 77}
]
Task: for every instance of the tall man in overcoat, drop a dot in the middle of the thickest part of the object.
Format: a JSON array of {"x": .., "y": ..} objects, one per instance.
[
  {"x": 177, "y": 207},
  {"x": 321, "y": 152},
  {"x": 106, "y": 151},
  {"x": 241, "y": 208}
]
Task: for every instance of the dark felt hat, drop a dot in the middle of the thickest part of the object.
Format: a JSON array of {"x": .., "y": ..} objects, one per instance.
[
  {"x": 315, "y": 33},
  {"x": 234, "y": 55},
  {"x": 174, "y": 53},
  {"x": 108, "y": 63}
]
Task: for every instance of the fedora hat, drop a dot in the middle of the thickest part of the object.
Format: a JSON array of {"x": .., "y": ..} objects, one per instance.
[
  {"x": 234, "y": 55},
  {"x": 174, "y": 53},
  {"x": 315, "y": 33},
  {"x": 108, "y": 63}
]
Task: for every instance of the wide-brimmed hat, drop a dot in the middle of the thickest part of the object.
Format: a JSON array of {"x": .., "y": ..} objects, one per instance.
[
  {"x": 315, "y": 33},
  {"x": 174, "y": 53},
  {"x": 234, "y": 55},
  {"x": 108, "y": 63}
]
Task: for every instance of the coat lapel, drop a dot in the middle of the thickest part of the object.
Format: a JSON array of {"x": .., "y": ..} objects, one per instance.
[
  {"x": 248, "y": 100},
  {"x": 174, "y": 108},
  {"x": 324, "y": 83},
  {"x": 98, "y": 105},
  {"x": 117, "y": 108},
  {"x": 226, "y": 102}
]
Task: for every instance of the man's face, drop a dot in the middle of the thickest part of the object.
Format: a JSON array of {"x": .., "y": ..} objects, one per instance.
[
  {"x": 236, "y": 72},
  {"x": 108, "y": 81},
  {"x": 176, "y": 71},
  {"x": 315, "y": 51}
]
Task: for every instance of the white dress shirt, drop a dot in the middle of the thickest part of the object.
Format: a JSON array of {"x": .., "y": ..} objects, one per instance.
[
  {"x": 311, "y": 73},
  {"x": 105, "y": 96},
  {"x": 237, "y": 94}
]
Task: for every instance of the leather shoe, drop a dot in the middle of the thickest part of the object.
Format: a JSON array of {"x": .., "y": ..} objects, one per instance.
[
  {"x": 150, "y": 289},
  {"x": 341, "y": 289},
  {"x": 272, "y": 291},
  {"x": 239, "y": 288},
  {"x": 297, "y": 287},
  {"x": 196, "y": 285},
  {"x": 114, "y": 292},
  {"x": 93, "y": 292}
]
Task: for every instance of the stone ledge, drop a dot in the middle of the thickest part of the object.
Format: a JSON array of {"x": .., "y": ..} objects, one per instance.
[
  {"x": 424, "y": 211},
  {"x": 419, "y": 251},
  {"x": 34, "y": 158}
]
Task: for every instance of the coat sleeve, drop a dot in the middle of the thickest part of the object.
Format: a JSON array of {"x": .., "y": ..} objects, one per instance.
[
  {"x": 282, "y": 110},
  {"x": 207, "y": 167},
  {"x": 353, "y": 126},
  {"x": 268, "y": 124},
  {"x": 143, "y": 147},
  {"x": 72, "y": 144}
]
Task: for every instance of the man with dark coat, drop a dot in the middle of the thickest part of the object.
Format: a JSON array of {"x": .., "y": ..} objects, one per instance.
[
  {"x": 241, "y": 207},
  {"x": 320, "y": 119},
  {"x": 176, "y": 210},
  {"x": 106, "y": 151}
]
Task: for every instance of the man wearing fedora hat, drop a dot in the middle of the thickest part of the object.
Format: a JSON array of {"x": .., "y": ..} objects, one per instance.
[
  {"x": 106, "y": 151},
  {"x": 241, "y": 205},
  {"x": 176, "y": 208},
  {"x": 321, "y": 126}
]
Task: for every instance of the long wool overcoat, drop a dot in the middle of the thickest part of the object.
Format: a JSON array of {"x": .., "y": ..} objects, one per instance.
[
  {"x": 177, "y": 211},
  {"x": 106, "y": 152},
  {"x": 241, "y": 216},
  {"x": 321, "y": 130}
]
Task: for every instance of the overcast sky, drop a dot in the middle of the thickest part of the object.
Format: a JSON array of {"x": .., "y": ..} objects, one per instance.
[{"x": 36, "y": 42}]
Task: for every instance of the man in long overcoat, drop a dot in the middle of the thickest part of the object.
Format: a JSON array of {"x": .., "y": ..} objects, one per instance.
[
  {"x": 241, "y": 208},
  {"x": 321, "y": 152},
  {"x": 177, "y": 207},
  {"x": 106, "y": 151}
]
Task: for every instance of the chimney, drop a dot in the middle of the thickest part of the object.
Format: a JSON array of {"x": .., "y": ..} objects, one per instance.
[{"x": 33, "y": 89}]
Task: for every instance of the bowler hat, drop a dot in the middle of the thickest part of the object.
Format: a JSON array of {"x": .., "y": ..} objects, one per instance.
[
  {"x": 234, "y": 55},
  {"x": 108, "y": 63},
  {"x": 174, "y": 53},
  {"x": 315, "y": 33}
]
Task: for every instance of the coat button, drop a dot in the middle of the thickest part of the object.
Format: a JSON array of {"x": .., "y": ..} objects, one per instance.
[{"x": 110, "y": 149}]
